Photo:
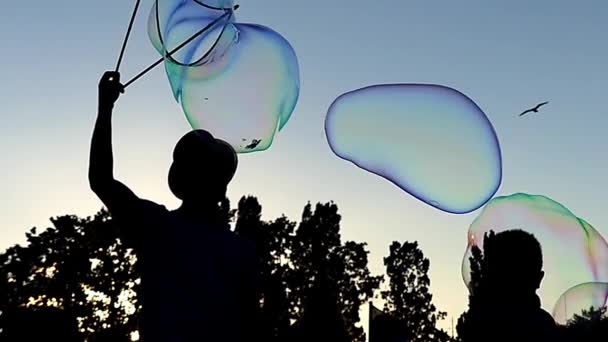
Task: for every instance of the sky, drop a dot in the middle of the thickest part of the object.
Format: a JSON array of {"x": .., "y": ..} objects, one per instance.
[{"x": 506, "y": 56}]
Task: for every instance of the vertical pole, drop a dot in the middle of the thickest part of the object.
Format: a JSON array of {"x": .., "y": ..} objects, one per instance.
[
  {"x": 452, "y": 326},
  {"x": 369, "y": 322}
]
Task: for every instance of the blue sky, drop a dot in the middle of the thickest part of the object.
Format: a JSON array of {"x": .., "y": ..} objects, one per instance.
[{"x": 506, "y": 56}]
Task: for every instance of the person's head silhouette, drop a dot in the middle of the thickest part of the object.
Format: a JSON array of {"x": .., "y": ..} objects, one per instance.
[
  {"x": 202, "y": 168},
  {"x": 514, "y": 263},
  {"x": 510, "y": 309}
]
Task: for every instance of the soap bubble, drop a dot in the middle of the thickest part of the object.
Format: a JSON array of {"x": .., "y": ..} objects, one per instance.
[
  {"x": 429, "y": 140},
  {"x": 573, "y": 251},
  {"x": 579, "y": 298},
  {"x": 172, "y": 22},
  {"x": 238, "y": 81}
]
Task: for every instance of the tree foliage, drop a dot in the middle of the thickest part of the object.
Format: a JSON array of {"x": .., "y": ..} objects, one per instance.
[
  {"x": 80, "y": 267},
  {"x": 408, "y": 297},
  {"x": 466, "y": 321},
  {"x": 272, "y": 241},
  {"x": 294, "y": 258},
  {"x": 590, "y": 325}
]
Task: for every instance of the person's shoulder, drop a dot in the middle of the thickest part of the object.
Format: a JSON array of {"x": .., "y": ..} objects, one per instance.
[
  {"x": 147, "y": 205},
  {"x": 545, "y": 318},
  {"x": 546, "y": 324},
  {"x": 140, "y": 211},
  {"x": 144, "y": 218}
]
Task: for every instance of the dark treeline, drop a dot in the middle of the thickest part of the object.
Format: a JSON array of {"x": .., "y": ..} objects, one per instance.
[{"x": 79, "y": 279}]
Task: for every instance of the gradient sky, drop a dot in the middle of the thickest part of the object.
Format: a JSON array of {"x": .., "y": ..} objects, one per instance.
[{"x": 506, "y": 56}]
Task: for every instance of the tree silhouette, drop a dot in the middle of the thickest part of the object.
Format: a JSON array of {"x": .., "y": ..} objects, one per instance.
[
  {"x": 78, "y": 267},
  {"x": 408, "y": 298},
  {"x": 466, "y": 321},
  {"x": 39, "y": 324},
  {"x": 296, "y": 262},
  {"x": 318, "y": 252},
  {"x": 322, "y": 318},
  {"x": 81, "y": 268},
  {"x": 590, "y": 325},
  {"x": 272, "y": 241}
]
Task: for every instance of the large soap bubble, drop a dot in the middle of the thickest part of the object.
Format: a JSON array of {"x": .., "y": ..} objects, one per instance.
[
  {"x": 581, "y": 297},
  {"x": 573, "y": 251},
  {"x": 431, "y": 141},
  {"x": 238, "y": 81}
]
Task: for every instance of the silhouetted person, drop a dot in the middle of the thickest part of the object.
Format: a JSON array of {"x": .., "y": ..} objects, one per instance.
[
  {"x": 198, "y": 278},
  {"x": 511, "y": 308}
]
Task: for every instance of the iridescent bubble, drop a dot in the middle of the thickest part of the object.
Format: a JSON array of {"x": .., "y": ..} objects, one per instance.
[
  {"x": 429, "y": 140},
  {"x": 172, "y": 22},
  {"x": 579, "y": 298},
  {"x": 573, "y": 251},
  {"x": 238, "y": 81}
]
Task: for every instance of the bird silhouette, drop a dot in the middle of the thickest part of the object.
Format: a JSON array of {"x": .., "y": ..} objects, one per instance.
[{"x": 533, "y": 110}]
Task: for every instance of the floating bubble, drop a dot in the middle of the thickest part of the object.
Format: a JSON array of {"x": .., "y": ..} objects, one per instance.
[
  {"x": 579, "y": 298},
  {"x": 429, "y": 140},
  {"x": 172, "y": 22},
  {"x": 573, "y": 251},
  {"x": 238, "y": 81}
]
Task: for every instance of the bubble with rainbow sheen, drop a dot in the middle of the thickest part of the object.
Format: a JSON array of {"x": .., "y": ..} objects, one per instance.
[
  {"x": 238, "y": 81},
  {"x": 593, "y": 295},
  {"x": 430, "y": 140},
  {"x": 574, "y": 252}
]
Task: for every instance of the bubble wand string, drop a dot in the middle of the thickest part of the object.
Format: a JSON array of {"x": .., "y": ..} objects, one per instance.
[
  {"x": 228, "y": 13},
  {"x": 162, "y": 41},
  {"x": 126, "y": 40},
  {"x": 211, "y": 7}
]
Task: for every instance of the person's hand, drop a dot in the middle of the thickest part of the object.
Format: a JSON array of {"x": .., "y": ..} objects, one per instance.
[{"x": 110, "y": 89}]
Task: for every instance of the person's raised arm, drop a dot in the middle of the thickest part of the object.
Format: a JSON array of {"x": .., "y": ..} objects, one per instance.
[{"x": 115, "y": 195}]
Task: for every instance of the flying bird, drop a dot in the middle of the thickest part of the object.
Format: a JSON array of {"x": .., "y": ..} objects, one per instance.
[{"x": 535, "y": 109}]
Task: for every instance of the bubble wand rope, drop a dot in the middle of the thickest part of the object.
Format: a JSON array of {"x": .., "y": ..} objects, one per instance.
[
  {"x": 126, "y": 40},
  {"x": 211, "y": 7},
  {"x": 228, "y": 13},
  {"x": 162, "y": 41}
]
